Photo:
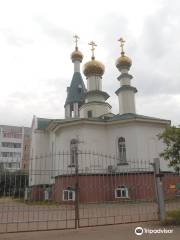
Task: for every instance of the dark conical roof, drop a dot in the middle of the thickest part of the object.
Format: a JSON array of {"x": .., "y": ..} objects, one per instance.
[{"x": 77, "y": 90}]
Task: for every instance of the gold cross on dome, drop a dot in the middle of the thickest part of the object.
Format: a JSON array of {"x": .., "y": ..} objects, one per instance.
[
  {"x": 122, "y": 41},
  {"x": 93, "y": 45},
  {"x": 76, "y": 37}
]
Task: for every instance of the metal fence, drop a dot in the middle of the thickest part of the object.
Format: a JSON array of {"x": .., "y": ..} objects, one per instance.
[{"x": 81, "y": 188}]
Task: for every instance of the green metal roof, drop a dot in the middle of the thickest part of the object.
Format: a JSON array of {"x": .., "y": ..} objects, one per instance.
[
  {"x": 77, "y": 90},
  {"x": 42, "y": 123},
  {"x": 131, "y": 116}
]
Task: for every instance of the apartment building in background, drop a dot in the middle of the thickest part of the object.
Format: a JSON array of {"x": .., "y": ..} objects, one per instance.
[
  {"x": 26, "y": 148},
  {"x": 14, "y": 147}
]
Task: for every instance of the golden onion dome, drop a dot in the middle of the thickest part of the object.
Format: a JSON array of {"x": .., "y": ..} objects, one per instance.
[
  {"x": 77, "y": 55},
  {"x": 93, "y": 67},
  {"x": 123, "y": 62}
]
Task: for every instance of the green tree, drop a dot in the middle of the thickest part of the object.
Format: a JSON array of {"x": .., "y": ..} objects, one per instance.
[
  {"x": 13, "y": 184},
  {"x": 171, "y": 138}
]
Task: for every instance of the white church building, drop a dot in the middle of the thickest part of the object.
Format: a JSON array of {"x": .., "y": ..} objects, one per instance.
[{"x": 126, "y": 136}]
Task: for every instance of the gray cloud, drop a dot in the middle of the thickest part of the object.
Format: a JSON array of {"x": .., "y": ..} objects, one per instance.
[
  {"x": 110, "y": 28},
  {"x": 22, "y": 96},
  {"x": 155, "y": 61},
  {"x": 156, "y": 65},
  {"x": 161, "y": 31},
  {"x": 47, "y": 102},
  {"x": 155, "y": 56},
  {"x": 160, "y": 106},
  {"x": 60, "y": 35},
  {"x": 14, "y": 38}
]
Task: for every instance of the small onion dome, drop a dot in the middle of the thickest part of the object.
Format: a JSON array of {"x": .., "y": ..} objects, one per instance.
[
  {"x": 76, "y": 55},
  {"x": 123, "y": 62},
  {"x": 93, "y": 67}
]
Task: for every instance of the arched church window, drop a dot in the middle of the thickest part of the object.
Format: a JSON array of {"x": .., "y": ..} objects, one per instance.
[
  {"x": 122, "y": 151},
  {"x": 89, "y": 113}
]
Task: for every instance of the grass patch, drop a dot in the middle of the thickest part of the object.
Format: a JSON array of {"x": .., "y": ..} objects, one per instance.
[
  {"x": 172, "y": 200},
  {"x": 173, "y": 217},
  {"x": 38, "y": 203}
]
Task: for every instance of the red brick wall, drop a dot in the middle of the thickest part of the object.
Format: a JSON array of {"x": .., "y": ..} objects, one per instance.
[
  {"x": 100, "y": 188},
  {"x": 168, "y": 182},
  {"x": 37, "y": 193}
]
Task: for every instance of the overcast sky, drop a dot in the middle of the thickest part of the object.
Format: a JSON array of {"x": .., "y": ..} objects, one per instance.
[{"x": 36, "y": 43}]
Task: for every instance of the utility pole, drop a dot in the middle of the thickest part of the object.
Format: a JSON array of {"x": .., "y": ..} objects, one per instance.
[
  {"x": 74, "y": 149},
  {"x": 159, "y": 189}
]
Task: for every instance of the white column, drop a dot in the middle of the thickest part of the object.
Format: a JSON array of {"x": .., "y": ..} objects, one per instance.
[
  {"x": 67, "y": 111},
  {"x": 76, "y": 66},
  {"x": 126, "y": 102},
  {"x": 76, "y": 110},
  {"x": 94, "y": 83},
  {"x": 125, "y": 81}
]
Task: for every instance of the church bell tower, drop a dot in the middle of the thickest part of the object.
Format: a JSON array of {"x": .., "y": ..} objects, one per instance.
[
  {"x": 77, "y": 90},
  {"x": 126, "y": 92},
  {"x": 95, "y": 99}
]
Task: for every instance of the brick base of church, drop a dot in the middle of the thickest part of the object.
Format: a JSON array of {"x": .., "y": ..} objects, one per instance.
[{"x": 101, "y": 188}]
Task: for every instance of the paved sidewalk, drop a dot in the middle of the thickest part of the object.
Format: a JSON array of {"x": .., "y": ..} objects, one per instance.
[{"x": 114, "y": 232}]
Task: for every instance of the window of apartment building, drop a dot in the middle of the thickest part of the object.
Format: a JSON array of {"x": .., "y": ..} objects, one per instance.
[
  {"x": 9, "y": 165},
  {"x": 11, "y": 154},
  {"x": 1, "y": 165},
  {"x": 14, "y": 165},
  {"x": 11, "y": 145},
  {"x": 12, "y": 135},
  {"x": 68, "y": 195},
  {"x": 121, "y": 192}
]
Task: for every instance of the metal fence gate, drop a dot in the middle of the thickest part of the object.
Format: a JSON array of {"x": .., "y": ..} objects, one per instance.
[{"x": 78, "y": 189}]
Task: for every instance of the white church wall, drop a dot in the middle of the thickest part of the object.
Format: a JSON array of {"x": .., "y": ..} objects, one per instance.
[
  {"x": 127, "y": 131},
  {"x": 92, "y": 139},
  {"x": 97, "y": 109},
  {"x": 39, "y": 161},
  {"x": 103, "y": 139},
  {"x": 149, "y": 146},
  {"x": 141, "y": 145},
  {"x": 95, "y": 98}
]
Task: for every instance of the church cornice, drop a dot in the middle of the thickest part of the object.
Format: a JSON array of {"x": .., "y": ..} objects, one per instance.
[
  {"x": 56, "y": 124},
  {"x": 96, "y": 103},
  {"x": 125, "y": 88},
  {"x": 125, "y": 75},
  {"x": 97, "y": 92}
]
